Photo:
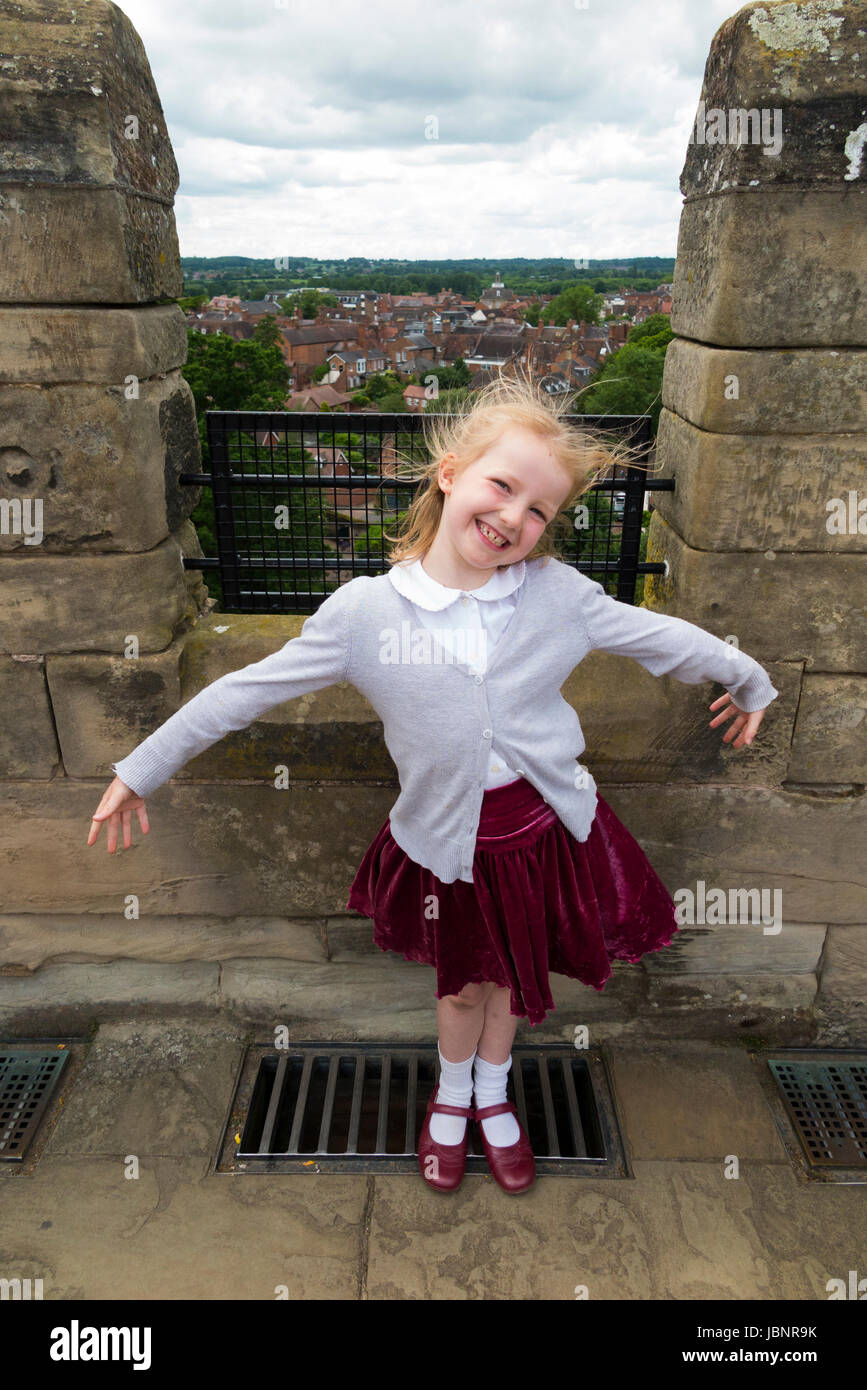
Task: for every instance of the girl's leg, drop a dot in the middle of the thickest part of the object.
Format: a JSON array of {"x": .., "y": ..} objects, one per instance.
[
  {"x": 495, "y": 1042},
  {"x": 491, "y": 1069},
  {"x": 460, "y": 1019}
]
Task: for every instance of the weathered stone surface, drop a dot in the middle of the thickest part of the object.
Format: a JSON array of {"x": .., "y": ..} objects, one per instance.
[
  {"x": 841, "y": 1011},
  {"x": 57, "y": 127},
  {"x": 68, "y": 603},
  {"x": 152, "y": 1088},
  {"x": 224, "y": 849},
  {"x": 740, "y": 949},
  {"x": 99, "y": 345},
  {"x": 69, "y": 997},
  {"x": 830, "y": 740},
  {"x": 730, "y": 488},
  {"x": 773, "y": 268},
  {"x": 103, "y": 468},
  {"x": 779, "y": 1007},
  {"x": 808, "y": 847},
  {"x": 786, "y": 392},
  {"x": 86, "y": 246},
  {"x": 387, "y": 996},
  {"x": 803, "y": 66},
  {"x": 107, "y": 705},
  {"x": 29, "y": 942},
  {"x": 781, "y": 607},
  {"x": 644, "y": 728},
  {"x": 87, "y": 172},
  {"x": 692, "y": 1101},
  {"x": 28, "y": 742}
]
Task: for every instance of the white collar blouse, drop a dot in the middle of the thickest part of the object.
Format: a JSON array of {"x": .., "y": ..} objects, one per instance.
[{"x": 468, "y": 623}]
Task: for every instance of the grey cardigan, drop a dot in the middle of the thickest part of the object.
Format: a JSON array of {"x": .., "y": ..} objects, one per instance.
[{"x": 439, "y": 715}]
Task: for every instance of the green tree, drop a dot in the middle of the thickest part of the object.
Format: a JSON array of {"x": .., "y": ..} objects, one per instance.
[
  {"x": 266, "y": 331},
  {"x": 575, "y": 302},
  {"x": 630, "y": 381},
  {"x": 249, "y": 375}
]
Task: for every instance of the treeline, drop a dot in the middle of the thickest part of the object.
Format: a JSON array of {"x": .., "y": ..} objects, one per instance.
[{"x": 252, "y": 278}]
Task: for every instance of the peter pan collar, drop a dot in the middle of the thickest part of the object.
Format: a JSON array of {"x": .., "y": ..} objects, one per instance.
[{"x": 411, "y": 579}]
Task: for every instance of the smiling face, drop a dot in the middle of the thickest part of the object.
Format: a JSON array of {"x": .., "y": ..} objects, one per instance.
[{"x": 496, "y": 509}]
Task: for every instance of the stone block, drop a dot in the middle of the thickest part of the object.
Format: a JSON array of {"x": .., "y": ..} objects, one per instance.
[
  {"x": 799, "y": 69},
  {"x": 740, "y": 948},
  {"x": 28, "y": 942},
  {"x": 776, "y": 1007},
  {"x": 818, "y": 391},
  {"x": 781, "y": 606},
  {"x": 781, "y": 267},
  {"x": 28, "y": 741},
  {"x": 644, "y": 728},
  {"x": 738, "y": 492},
  {"x": 87, "y": 171},
  {"x": 840, "y": 1008},
  {"x": 830, "y": 738},
  {"x": 69, "y": 998},
  {"x": 69, "y": 603},
  {"x": 808, "y": 847},
  {"x": 87, "y": 471},
  {"x": 69, "y": 84},
  {"x": 220, "y": 849},
  {"x": 42, "y": 344},
  {"x": 86, "y": 246}
]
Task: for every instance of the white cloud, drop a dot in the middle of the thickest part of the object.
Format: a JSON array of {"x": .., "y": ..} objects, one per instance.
[{"x": 301, "y": 130}]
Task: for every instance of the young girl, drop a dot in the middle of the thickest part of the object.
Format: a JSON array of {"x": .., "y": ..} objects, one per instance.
[{"x": 499, "y": 860}]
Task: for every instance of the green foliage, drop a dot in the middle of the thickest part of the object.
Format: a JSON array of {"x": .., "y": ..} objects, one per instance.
[
  {"x": 630, "y": 381},
  {"x": 267, "y": 333},
  {"x": 575, "y": 302}
]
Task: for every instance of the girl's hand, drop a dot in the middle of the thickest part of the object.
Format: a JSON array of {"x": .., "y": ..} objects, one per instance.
[
  {"x": 117, "y": 805},
  {"x": 745, "y": 724}
]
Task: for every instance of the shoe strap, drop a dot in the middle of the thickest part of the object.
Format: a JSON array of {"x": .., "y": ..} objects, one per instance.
[
  {"x": 501, "y": 1109},
  {"x": 465, "y": 1110}
]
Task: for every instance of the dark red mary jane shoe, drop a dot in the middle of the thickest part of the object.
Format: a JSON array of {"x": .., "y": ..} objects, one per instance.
[
  {"x": 443, "y": 1165},
  {"x": 513, "y": 1165}
]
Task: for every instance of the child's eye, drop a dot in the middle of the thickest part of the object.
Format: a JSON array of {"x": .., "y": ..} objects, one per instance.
[{"x": 504, "y": 484}]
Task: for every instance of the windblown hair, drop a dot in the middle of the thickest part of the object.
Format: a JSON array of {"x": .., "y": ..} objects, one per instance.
[{"x": 585, "y": 455}]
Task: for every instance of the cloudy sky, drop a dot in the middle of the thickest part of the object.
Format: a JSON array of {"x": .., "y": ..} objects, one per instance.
[{"x": 428, "y": 128}]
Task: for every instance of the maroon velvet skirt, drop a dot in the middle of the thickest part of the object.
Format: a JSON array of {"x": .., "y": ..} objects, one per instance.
[{"x": 540, "y": 900}]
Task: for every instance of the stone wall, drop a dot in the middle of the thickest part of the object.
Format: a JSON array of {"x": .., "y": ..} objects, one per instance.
[{"x": 235, "y": 899}]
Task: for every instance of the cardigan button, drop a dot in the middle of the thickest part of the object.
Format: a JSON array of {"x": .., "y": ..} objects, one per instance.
[
  {"x": 487, "y": 733},
  {"x": 477, "y": 679}
]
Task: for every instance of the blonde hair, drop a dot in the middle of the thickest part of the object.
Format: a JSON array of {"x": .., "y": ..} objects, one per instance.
[{"x": 585, "y": 456}]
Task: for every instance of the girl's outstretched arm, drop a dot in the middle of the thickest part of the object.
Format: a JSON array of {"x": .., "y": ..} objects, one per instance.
[
  {"x": 318, "y": 657},
  {"x": 669, "y": 646}
]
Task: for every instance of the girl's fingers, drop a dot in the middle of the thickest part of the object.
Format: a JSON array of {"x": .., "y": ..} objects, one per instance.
[{"x": 126, "y": 818}]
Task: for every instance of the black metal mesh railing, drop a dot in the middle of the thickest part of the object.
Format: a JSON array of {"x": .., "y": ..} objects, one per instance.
[{"x": 301, "y": 499}]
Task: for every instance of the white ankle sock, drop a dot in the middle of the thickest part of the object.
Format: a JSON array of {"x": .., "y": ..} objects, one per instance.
[
  {"x": 455, "y": 1088},
  {"x": 489, "y": 1089}
]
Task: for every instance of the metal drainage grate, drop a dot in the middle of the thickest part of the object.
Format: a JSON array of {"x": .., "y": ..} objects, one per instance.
[
  {"x": 28, "y": 1080},
  {"x": 333, "y": 1107},
  {"x": 826, "y": 1102}
]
